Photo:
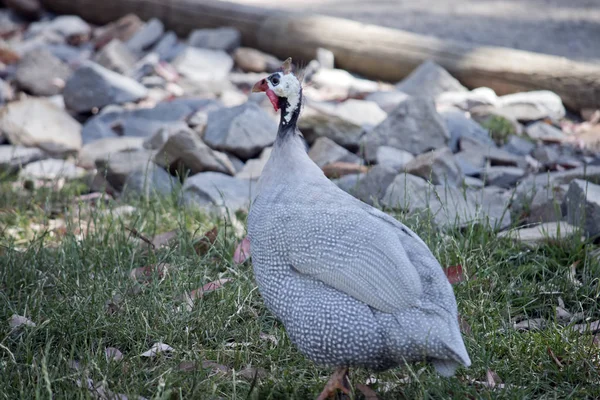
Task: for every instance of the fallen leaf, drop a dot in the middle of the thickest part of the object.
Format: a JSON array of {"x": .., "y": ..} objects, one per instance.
[
  {"x": 563, "y": 314},
  {"x": 163, "y": 239},
  {"x": 113, "y": 305},
  {"x": 187, "y": 366},
  {"x": 339, "y": 168},
  {"x": 16, "y": 321},
  {"x": 145, "y": 274},
  {"x": 209, "y": 287},
  {"x": 242, "y": 251},
  {"x": 588, "y": 327},
  {"x": 465, "y": 328},
  {"x": 113, "y": 353},
  {"x": 203, "y": 245},
  {"x": 215, "y": 367},
  {"x": 252, "y": 373},
  {"x": 530, "y": 324},
  {"x": 554, "y": 358},
  {"x": 156, "y": 349},
  {"x": 455, "y": 274},
  {"x": 367, "y": 392},
  {"x": 269, "y": 338},
  {"x": 492, "y": 379}
]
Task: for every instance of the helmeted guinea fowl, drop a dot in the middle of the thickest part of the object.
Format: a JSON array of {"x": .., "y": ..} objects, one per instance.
[{"x": 352, "y": 285}]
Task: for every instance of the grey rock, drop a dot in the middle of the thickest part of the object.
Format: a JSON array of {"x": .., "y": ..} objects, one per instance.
[
  {"x": 429, "y": 79},
  {"x": 203, "y": 65},
  {"x": 238, "y": 164},
  {"x": 404, "y": 191},
  {"x": 495, "y": 156},
  {"x": 52, "y": 129},
  {"x": 117, "y": 167},
  {"x": 459, "y": 125},
  {"x": 6, "y": 93},
  {"x": 144, "y": 38},
  {"x": 518, "y": 146},
  {"x": 545, "y": 154},
  {"x": 51, "y": 169},
  {"x": 254, "y": 167},
  {"x": 12, "y": 158},
  {"x": 185, "y": 147},
  {"x": 232, "y": 98},
  {"x": 545, "y": 205},
  {"x": 101, "y": 125},
  {"x": 214, "y": 190},
  {"x": 150, "y": 182},
  {"x": 545, "y": 132},
  {"x": 582, "y": 203},
  {"x": 543, "y": 233},
  {"x": 243, "y": 130},
  {"x": 168, "y": 47},
  {"x": 482, "y": 96},
  {"x": 393, "y": 158},
  {"x": 348, "y": 183},
  {"x": 325, "y": 58},
  {"x": 531, "y": 106},
  {"x": 93, "y": 86},
  {"x": 504, "y": 177},
  {"x": 371, "y": 187},
  {"x": 105, "y": 148},
  {"x": 325, "y": 151},
  {"x": 146, "y": 66},
  {"x": 71, "y": 55},
  {"x": 439, "y": 166},
  {"x": 226, "y": 39},
  {"x": 471, "y": 162},
  {"x": 252, "y": 60},
  {"x": 70, "y": 26},
  {"x": 474, "y": 183},
  {"x": 387, "y": 101},
  {"x": 41, "y": 74},
  {"x": 413, "y": 126},
  {"x": 117, "y": 57},
  {"x": 492, "y": 117},
  {"x": 343, "y": 123},
  {"x": 158, "y": 140},
  {"x": 342, "y": 81}
]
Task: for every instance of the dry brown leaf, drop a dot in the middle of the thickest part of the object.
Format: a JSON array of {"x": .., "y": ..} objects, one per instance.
[
  {"x": 492, "y": 379},
  {"x": 367, "y": 392},
  {"x": 203, "y": 245},
  {"x": 187, "y": 366},
  {"x": 145, "y": 274},
  {"x": 455, "y": 274},
  {"x": 156, "y": 349},
  {"x": 242, "y": 251},
  {"x": 465, "y": 328},
  {"x": 554, "y": 358},
  {"x": 113, "y": 353},
  {"x": 209, "y": 287},
  {"x": 17, "y": 321},
  {"x": 164, "y": 239}
]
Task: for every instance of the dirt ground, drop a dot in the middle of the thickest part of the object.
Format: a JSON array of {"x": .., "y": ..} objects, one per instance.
[{"x": 568, "y": 28}]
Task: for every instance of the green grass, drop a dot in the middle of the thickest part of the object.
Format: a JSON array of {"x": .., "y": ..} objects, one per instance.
[{"x": 79, "y": 293}]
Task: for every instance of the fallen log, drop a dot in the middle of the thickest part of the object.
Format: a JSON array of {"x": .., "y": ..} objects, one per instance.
[{"x": 373, "y": 51}]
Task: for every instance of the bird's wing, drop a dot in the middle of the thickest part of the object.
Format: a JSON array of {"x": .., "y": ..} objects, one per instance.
[{"x": 356, "y": 252}]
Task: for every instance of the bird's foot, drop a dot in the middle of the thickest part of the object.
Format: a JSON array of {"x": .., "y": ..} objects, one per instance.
[{"x": 338, "y": 381}]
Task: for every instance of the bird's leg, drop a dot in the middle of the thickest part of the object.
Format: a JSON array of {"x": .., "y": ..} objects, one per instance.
[{"x": 338, "y": 381}]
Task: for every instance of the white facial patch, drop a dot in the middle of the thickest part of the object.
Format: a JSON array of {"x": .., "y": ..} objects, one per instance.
[{"x": 289, "y": 88}]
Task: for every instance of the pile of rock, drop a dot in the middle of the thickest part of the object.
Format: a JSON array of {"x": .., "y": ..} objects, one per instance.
[{"x": 133, "y": 109}]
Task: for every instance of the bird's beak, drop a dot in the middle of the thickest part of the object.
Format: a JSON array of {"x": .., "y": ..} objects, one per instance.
[{"x": 260, "y": 86}]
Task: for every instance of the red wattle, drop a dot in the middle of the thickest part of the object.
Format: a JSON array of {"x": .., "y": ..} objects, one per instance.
[{"x": 274, "y": 99}]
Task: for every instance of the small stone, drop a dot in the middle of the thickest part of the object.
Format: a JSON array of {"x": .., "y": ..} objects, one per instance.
[
  {"x": 123, "y": 29},
  {"x": 545, "y": 132},
  {"x": 544, "y": 205},
  {"x": 52, "y": 129},
  {"x": 243, "y": 130},
  {"x": 325, "y": 58},
  {"x": 41, "y": 74},
  {"x": 185, "y": 147},
  {"x": 429, "y": 79},
  {"x": 118, "y": 166},
  {"x": 371, "y": 186},
  {"x": 405, "y": 191},
  {"x": 12, "y": 158},
  {"x": 387, "y": 101},
  {"x": 459, "y": 125},
  {"x": 214, "y": 190},
  {"x": 531, "y": 106},
  {"x": 393, "y": 158},
  {"x": 203, "y": 64},
  {"x": 232, "y": 98},
  {"x": 342, "y": 81},
  {"x": 145, "y": 37},
  {"x": 325, "y": 151},
  {"x": 254, "y": 167},
  {"x": 545, "y": 154},
  {"x": 168, "y": 47},
  {"x": 582, "y": 203},
  {"x": 70, "y": 27},
  {"x": 101, "y": 125},
  {"x": 471, "y": 162},
  {"x": 226, "y": 39},
  {"x": 504, "y": 177},
  {"x": 438, "y": 166},
  {"x": 93, "y": 86},
  {"x": 482, "y": 96},
  {"x": 105, "y": 148},
  {"x": 51, "y": 169},
  {"x": 518, "y": 146},
  {"x": 543, "y": 233},
  {"x": 252, "y": 60},
  {"x": 117, "y": 57},
  {"x": 150, "y": 182},
  {"x": 473, "y": 183},
  {"x": 71, "y": 55},
  {"x": 413, "y": 126}
]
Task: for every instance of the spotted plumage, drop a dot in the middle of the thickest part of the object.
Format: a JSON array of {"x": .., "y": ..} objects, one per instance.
[{"x": 352, "y": 286}]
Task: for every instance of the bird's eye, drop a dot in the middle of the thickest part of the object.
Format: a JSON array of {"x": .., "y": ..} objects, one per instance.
[{"x": 275, "y": 81}]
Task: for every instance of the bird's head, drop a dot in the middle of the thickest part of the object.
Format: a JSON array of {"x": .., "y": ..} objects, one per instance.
[{"x": 283, "y": 90}]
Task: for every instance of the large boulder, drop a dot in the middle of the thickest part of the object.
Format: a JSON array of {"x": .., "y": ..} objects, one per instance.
[
  {"x": 93, "y": 86},
  {"x": 459, "y": 125},
  {"x": 14, "y": 157},
  {"x": 393, "y": 158},
  {"x": 214, "y": 190},
  {"x": 243, "y": 130},
  {"x": 35, "y": 122},
  {"x": 118, "y": 167},
  {"x": 203, "y": 65},
  {"x": 41, "y": 73},
  {"x": 117, "y": 57},
  {"x": 145, "y": 37},
  {"x": 105, "y": 148},
  {"x": 51, "y": 169},
  {"x": 414, "y": 126},
  {"x": 583, "y": 206},
  {"x": 439, "y": 166},
  {"x": 254, "y": 167},
  {"x": 430, "y": 80},
  {"x": 325, "y": 151}
]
